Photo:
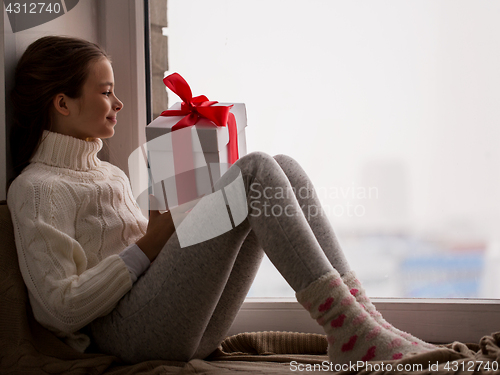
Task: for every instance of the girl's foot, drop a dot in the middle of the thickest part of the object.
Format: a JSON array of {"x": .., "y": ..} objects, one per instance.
[
  {"x": 357, "y": 290},
  {"x": 352, "y": 333}
]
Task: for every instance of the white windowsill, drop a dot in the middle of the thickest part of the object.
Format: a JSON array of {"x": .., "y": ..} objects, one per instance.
[{"x": 432, "y": 320}]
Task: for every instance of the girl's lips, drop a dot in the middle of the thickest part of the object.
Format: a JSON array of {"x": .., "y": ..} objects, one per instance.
[{"x": 112, "y": 119}]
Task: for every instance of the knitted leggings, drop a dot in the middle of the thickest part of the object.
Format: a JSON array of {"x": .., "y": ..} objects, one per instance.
[{"x": 182, "y": 307}]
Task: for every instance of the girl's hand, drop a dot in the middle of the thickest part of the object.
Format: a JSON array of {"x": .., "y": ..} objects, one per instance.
[{"x": 161, "y": 227}]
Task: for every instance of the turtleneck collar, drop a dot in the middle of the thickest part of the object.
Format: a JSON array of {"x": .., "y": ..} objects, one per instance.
[{"x": 64, "y": 151}]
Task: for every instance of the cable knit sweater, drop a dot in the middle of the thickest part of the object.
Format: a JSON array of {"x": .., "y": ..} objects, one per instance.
[{"x": 73, "y": 214}]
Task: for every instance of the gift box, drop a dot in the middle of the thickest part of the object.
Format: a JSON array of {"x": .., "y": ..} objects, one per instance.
[
  {"x": 210, "y": 155},
  {"x": 189, "y": 147},
  {"x": 192, "y": 144}
]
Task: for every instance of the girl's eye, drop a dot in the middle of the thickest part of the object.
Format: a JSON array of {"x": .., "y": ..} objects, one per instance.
[{"x": 107, "y": 93}]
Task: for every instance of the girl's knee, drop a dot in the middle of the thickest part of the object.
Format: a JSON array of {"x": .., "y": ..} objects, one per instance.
[
  {"x": 257, "y": 156},
  {"x": 261, "y": 161},
  {"x": 254, "y": 160},
  {"x": 283, "y": 159}
]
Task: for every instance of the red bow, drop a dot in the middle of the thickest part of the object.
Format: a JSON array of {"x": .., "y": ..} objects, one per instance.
[{"x": 195, "y": 108}]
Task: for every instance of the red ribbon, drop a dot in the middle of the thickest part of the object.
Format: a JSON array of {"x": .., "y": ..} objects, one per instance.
[{"x": 200, "y": 107}]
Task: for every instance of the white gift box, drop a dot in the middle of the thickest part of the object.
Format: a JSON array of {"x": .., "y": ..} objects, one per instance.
[{"x": 209, "y": 159}]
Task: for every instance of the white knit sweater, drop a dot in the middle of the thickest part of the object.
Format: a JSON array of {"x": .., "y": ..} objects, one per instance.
[{"x": 72, "y": 215}]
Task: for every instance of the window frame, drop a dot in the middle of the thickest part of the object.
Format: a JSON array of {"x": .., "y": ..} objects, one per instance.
[{"x": 432, "y": 320}]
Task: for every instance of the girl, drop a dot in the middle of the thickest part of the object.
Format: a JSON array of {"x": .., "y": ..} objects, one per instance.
[{"x": 96, "y": 268}]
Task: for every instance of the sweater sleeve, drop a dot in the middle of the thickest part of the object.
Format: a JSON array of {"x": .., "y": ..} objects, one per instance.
[
  {"x": 65, "y": 296},
  {"x": 137, "y": 262}
]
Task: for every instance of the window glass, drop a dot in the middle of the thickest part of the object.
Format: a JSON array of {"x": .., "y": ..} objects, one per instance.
[{"x": 392, "y": 108}]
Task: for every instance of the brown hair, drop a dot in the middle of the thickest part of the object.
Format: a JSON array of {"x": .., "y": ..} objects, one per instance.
[{"x": 49, "y": 66}]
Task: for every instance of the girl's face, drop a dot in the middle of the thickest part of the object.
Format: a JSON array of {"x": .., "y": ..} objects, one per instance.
[{"x": 93, "y": 115}]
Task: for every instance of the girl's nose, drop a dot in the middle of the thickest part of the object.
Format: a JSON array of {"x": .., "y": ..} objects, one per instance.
[{"x": 118, "y": 105}]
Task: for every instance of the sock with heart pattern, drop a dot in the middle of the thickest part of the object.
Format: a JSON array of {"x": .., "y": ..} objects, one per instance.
[
  {"x": 352, "y": 333},
  {"x": 357, "y": 290}
]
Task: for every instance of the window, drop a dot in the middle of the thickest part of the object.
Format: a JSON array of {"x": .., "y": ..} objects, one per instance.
[{"x": 400, "y": 103}]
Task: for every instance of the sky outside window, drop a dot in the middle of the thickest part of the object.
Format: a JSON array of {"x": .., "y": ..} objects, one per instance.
[{"x": 393, "y": 110}]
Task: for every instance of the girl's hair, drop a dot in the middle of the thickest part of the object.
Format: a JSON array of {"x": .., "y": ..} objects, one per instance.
[{"x": 49, "y": 66}]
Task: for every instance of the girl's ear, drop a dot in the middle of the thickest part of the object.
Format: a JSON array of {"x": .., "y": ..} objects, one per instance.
[{"x": 61, "y": 104}]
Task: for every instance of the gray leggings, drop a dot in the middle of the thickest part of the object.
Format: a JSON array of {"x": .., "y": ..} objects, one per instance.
[{"x": 183, "y": 306}]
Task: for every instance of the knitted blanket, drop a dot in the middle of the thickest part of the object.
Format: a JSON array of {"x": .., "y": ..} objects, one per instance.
[{"x": 28, "y": 348}]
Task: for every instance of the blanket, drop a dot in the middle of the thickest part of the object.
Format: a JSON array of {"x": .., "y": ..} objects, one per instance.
[{"x": 28, "y": 348}]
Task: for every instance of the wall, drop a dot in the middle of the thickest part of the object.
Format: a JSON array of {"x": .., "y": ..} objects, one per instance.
[
  {"x": 117, "y": 25},
  {"x": 81, "y": 21},
  {"x": 2, "y": 116},
  {"x": 122, "y": 35}
]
